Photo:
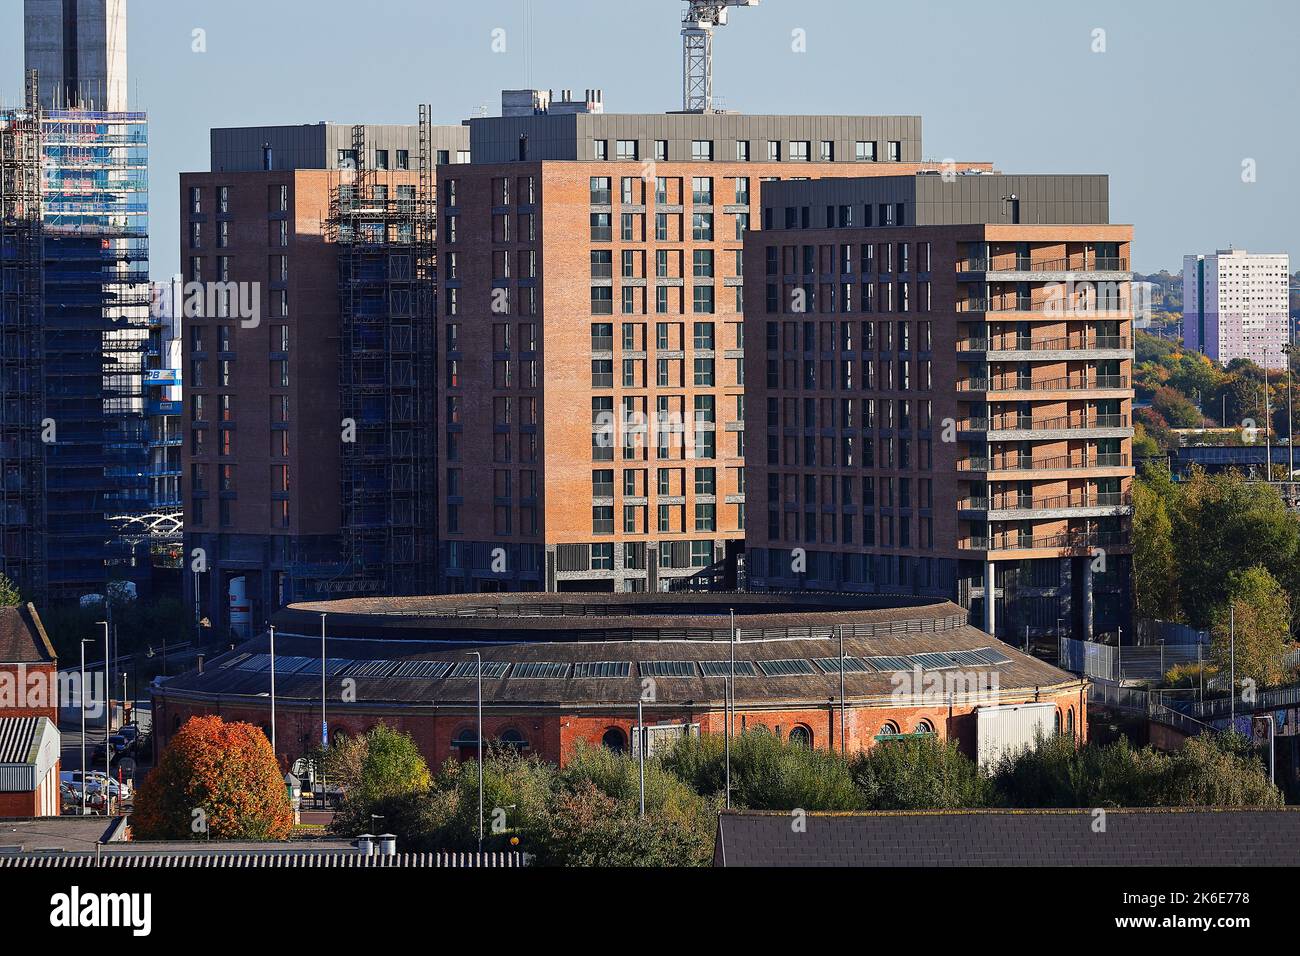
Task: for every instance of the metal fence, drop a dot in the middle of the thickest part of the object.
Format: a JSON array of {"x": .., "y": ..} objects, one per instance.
[{"x": 1114, "y": 663}]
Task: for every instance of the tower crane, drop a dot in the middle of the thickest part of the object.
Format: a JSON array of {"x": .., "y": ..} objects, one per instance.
[{"x": 698, "y": 21}]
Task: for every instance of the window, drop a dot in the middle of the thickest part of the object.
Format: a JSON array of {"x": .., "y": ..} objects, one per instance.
[
  {"x": 895, "y": 151},
  {"x": 602, "y": 300},
  {"x": 702, "y": 190},
  {"x": 403, "y": 159},
  {"x": 888, "y": 729},
  {"x": 742, "y": 190},
  {"x": 626, "y": 149},
  {"x": 703, "y": 338},
  {"x": 615, "y": 740},
  {"x": 661, "y": 150},
  {"x": 702, "y": 300},
  {"x": 827, "y": 151},
  {"x": 774, "y": 150},
  {"x": 702, "y": 149},
  {"x": 381, "y": 159},
  {"x": 801, "y": 736},
  {"x": 702, "y": 226},
  {"x": 799, "y": 150},
  {"x": 600, "y": 149},
  {"x": 742, "y": 150},
  {"x": 864, "y": 151},
  {"x": 703, "y": 371},
  {"x": 600, "y": 190},
  {"x": 601, "y": 226},
  {"x": 702, "y": 263},
  {"x": 602, "y": 519}
]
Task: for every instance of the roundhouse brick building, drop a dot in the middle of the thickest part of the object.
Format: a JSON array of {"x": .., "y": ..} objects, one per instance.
[{"x": 559, "y": 669}]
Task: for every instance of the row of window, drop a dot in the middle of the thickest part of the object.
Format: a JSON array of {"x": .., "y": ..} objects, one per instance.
[
  {"x": 668, "y": 263},
  {"x": 849, "y": 413},
  {"x": 831, "y": 297},
  {"x": 670, "y": 519},
  {"x": 848, "y": 336},
  {"x": 668, "y": 226},
  {"x": 847, "y": 375},
  {"x": 848, "y": 259},
  {"x": 668, "y": 481},
  {"x": 867, "y": 530},
  {"x": 850, "y": 451},
  {"x": 669, "y": 336},
  {"x": 795, "y": 150}
]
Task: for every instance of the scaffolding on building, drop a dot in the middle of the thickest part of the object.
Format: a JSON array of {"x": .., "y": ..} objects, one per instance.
[
  {"x": 22, "y": 458},
  {"x": 385, "y": 232},
  {"x": 96, "y": 332}
]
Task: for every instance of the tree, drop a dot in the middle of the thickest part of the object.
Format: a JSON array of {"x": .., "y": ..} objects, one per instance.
[
  {"x": 1216, "y": 770},
  {"x": 214, "y": 780},
  {"x": 1155, "y": 563},
  {"x": 392, "y": 765},
  {"x": 9, "y": 596},
  {"x": 1223, "y": 524},
  {"x": 1258, "y": 613},
  {"x": 919, "y": 773},
  {"x": 1174, "y": 408}
]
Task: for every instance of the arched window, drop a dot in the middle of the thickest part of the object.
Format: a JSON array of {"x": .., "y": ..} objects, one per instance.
[
  {"x": 465, "y": 743},
  {"x": 1058, "y": 723},
  {"x": 924, "y": 727},
  {"x": 889, "y": 729},
  {"x": 615, "y": 740},
  {"x": 1069, "y": 721},
  {"x": 801, "y": 736},
  {"x": 513, "y": 738}
]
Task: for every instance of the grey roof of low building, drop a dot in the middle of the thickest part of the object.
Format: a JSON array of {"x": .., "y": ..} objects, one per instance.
[
  {"x": 64, "y": 834},
  {"x": 372, "y": 665},
  {"x": 1123, "y": 837},
  {"x": 289, "y": 856}
]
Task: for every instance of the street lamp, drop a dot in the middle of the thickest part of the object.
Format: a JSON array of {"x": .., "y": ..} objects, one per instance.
[
  {"x": 324, "y": 726},
  {"x": 81, "y": 699},
  {"x": 274, "y": 752},
  {"x": 108, "y": 722},
  {"x": 478, "y": 657}
]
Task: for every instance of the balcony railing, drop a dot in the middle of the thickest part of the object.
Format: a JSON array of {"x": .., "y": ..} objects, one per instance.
[
  {"x": 1068, "y": 264},
  {"x": 1023, "y": 303},
  {"x": 1062, "y": 423},
  {"x": 1018, "y": 383},
  {"x": 1060, "y": 463},
  {"x": 1061, "y": 344},
  {"x": 1075, "y": 541},
  {"x": 1116, "y": 499}
]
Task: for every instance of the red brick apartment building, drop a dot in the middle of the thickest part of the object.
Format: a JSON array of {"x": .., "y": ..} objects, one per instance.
[
  {"x": 939, "y": 395},
  {"x": 264, "y": 401},
  {"x": 591, "y": 427}
]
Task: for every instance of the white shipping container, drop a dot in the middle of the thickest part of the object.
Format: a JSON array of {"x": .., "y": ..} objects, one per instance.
[{"x": 1011, "y": 728}]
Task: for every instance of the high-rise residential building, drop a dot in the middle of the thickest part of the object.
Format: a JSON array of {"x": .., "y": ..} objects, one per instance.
[
  {"x": 92, "y": 298},
  {"x": 301, "y": 389},
  {"x": 163, "y": 406},
  {"x": 78, "y": 49},
  {"x": 939, "y": 395},
  {"x": 1236, "y": 304},
  {"x": 591, "y": 426}
]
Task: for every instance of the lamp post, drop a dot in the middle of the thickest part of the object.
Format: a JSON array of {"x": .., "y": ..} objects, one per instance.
[
  {"x": 1272, "y": 733},
  {"x": 1288, "y": 350},
  {"x": 479, "y": 658},
  {"x": 273, "y": 750},
  {"x": 729, "y": 713},
  {"x": 81, "y": 699},
  {"x": 640, "y": 748},
  {"x": 108, "y": 721},
  {"x": 843, "y": 740},
  {"x": 324, "y": 726}
]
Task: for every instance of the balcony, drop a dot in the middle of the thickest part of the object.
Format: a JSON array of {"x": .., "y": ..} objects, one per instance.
[
  {"x": 1026, "y": 269},
  {"x": 1033, "y": 348},
  {"x": 1059, "y": 463},
  {"x": 1017, "y": 507},
  {"x": 1071, "y": 542},
  {"x": 1023, "y": 305},
  {"x": 1021, "y": 383},
  {"x": 1060, "y": 426}
]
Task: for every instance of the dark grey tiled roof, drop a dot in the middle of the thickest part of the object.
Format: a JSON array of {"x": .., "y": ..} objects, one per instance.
[
  {"x": 22, "y": 636},
  {"x": 1131, "y": 837},
  {"x": 276, "y": 858}
]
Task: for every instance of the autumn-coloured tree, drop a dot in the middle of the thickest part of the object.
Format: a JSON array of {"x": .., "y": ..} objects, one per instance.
[{"x": 215, "y": 780}]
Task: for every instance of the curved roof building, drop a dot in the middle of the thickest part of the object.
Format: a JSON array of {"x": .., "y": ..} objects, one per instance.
[{"x": 558, "y": 668}]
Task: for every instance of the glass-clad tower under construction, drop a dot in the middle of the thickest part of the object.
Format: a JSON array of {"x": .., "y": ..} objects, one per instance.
[{"x": 96, "y": 312}]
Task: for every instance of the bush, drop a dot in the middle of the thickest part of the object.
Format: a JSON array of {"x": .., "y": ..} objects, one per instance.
[
  {"x": 1190, "y": 674},
  {"x": 767, "y": 773},
  {"x": 919, "y": 773}
]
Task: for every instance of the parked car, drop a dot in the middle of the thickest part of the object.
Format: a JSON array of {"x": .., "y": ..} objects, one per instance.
[{"x": 95, "y": 783}]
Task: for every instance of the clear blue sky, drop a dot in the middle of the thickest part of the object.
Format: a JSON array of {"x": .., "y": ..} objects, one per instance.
[{"x": 1186, "y": 90}]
